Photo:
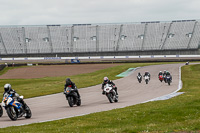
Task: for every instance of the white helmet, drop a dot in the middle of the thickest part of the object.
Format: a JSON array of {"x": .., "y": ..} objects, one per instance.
[
  {"x": 105, "y": 79},
  {"x": 7, "y": 87}
]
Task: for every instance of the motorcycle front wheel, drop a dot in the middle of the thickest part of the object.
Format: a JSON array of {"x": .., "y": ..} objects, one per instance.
[
  {"x": 109, "y": 95},
  {"x": 70, "y": 101},
  {"x": 12, "y": 114},
  {"x": 1, "y": 111}
]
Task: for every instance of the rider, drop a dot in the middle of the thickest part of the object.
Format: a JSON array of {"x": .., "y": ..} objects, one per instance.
[
  {"x": 9, "y": 90},
  {"x": 160, "y": 73},
  {"x": 107, "y": 81},
  {"x": 164, "y": 75},
  {"x": 69, "y": 83},
  {"x": 168, "y": 74},
  {"x": 147, "y": 74},
  {"x": 139, "y": 75}
]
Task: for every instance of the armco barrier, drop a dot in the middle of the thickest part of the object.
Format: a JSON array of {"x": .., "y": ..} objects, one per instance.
[{"x": 101, "y": 57}]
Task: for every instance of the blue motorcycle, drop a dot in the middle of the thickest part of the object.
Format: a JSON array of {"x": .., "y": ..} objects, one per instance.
[
  {"x": 14, "y": 108},
  {"x": 168, "y": 80}
]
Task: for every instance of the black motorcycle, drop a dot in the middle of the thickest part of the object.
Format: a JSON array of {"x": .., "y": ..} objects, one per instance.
[
  {"x": 1, "y": 111},
  {"x": 139, "y": 77},
  {"x": 72, "y": 97}
]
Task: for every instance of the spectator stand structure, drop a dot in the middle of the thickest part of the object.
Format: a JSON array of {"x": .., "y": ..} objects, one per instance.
[{"x": 145, "y": 38}]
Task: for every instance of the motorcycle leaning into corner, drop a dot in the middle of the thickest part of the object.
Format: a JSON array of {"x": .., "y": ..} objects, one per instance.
[
  {"x": 14, "y": 108},
  {"x": 72, "y": 97},
  {"x": 110, "y": 93},
  {"x": 1, "y": 111}
]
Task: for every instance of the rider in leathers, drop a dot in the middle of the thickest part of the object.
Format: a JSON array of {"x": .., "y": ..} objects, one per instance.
[
  {"x": 139, "y": 75},
  {"x": 164, "y": 75},
  {"x": 15, "y": 95},
  {"x": 107, "y": 81},
  {"x": 69, "y": 83},
  {"x": 147, "y": 74},
  {"x": 160, "y": 73}
]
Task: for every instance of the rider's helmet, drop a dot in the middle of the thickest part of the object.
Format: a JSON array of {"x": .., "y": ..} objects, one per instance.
[
  {"x": 165, "y": 71},
  {"x": 68, "y": 81},
  {"x": 105, "y": 79},
  {"x": 7, "y": 87},
  {"x": 139, "y": 73},
  {"x": 160, "y": 71}
]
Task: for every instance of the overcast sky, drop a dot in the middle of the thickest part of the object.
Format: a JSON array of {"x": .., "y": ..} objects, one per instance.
[{"x": 39, "y": 12}]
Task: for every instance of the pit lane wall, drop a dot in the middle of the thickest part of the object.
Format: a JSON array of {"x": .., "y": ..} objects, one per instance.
[{"x": 147, "y": 57}]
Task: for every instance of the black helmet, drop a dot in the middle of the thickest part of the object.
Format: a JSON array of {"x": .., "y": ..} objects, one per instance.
[
  {"x": 68, "y": 81},
  {"x": 7, "y": 87}
]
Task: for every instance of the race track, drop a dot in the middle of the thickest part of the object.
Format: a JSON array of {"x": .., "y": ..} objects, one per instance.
[{"x": 131, "y": 92}]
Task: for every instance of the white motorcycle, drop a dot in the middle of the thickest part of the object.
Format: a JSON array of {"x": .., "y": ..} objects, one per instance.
[
  {"x": 110, "y": 93},
  {"x": 146, "y": 78}
]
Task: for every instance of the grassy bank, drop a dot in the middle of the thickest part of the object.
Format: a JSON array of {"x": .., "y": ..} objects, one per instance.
[
  {"x": 51, "y": 85},
  {"x": 181, "y": 113}
]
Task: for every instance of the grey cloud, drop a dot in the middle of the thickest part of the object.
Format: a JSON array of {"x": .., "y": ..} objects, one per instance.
[{"x": 35, "y": 12}]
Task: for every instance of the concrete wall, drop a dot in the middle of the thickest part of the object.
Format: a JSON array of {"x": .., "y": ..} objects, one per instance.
[{"x": 121, "y": 53}]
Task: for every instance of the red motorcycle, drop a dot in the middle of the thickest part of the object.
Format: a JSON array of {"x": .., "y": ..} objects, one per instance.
[{"x": 161, "y": 78}]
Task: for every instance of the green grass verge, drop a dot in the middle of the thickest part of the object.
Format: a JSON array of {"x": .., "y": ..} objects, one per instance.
[
  {"x": 50, "y": 85},
  {"x": 181, "y": 113}
]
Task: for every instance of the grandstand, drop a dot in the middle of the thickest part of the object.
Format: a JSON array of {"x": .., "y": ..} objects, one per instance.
[{"x": 145, "y": 38}]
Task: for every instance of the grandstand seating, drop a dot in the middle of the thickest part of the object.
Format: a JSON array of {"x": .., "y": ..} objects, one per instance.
[{"x": 144, "y": 36}]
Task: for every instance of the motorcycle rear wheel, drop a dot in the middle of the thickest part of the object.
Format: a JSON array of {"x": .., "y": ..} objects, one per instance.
[
  {"x": 28, "y": 112},
  {"x": 79, "y": 102}
]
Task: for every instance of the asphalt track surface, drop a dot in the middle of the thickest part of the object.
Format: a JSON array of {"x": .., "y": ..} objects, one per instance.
[{"x": 53, "y": 107}]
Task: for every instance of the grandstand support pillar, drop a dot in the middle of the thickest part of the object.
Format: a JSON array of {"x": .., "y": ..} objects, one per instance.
[
  {"x": 49, "y": 36},
  {"x": 166, "y": 36},
  {"x": 97, "y": 38},
  {"x": 24, "y": 40},
  {"x": 193, "y": 31},
  {"x": 72, "y": 40},
  {"x": 120, "y": 32},
  {"x": 1, "y": 41},
  {"x": 143, "y": 41}
]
